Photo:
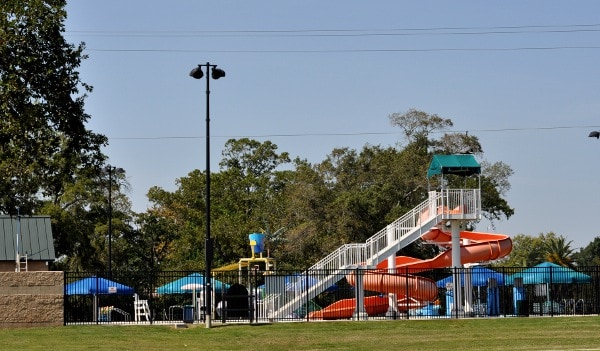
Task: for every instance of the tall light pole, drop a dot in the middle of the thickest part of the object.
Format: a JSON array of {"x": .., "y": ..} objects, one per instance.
[
  {"x": 111, "y": 170},
  {"x": 216, "y": 73}
]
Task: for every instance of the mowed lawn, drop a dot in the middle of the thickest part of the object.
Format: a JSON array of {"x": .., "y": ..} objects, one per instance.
[{"x": 540, "y": 333}]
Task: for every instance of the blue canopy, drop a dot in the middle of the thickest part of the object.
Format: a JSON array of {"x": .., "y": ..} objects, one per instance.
[
  {"x": 479, "y": 277},
  {"x": 97, "y": 286},
  {"x": 548, "y": 272},
  {"x": 176, "y": 286}
]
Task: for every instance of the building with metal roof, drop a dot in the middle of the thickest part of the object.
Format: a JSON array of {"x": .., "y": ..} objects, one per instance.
[{"x": 27, "y": 240}]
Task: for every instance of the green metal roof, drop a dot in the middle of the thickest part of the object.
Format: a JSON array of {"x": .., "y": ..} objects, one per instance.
[
  {"x": 35, "y": 238},
  {"x": 463, "y": 165}
]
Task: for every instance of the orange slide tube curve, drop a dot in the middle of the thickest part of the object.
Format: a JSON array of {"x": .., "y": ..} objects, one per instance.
[{"x": 478, "y": 247}]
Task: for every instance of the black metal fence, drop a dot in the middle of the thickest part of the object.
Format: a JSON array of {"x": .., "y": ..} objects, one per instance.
[{"x": 252, "y": 296}]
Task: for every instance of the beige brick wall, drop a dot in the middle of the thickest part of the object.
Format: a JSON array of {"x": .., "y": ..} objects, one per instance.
[
  {"x": 9, "y": 266},
  {"x": 31, "y": 299}
]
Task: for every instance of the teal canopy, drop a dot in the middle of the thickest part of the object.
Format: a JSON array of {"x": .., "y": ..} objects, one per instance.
[
  {"x": 194, "y": 279},
  {"x": 551, "y": 273},
  {"x": 463, "y": 165}
]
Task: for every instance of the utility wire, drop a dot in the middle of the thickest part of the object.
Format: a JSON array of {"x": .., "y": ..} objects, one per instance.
[
  {"x": 539, "y": 48},
  {"x": 574, "y": 28},
  {"x": 498, "y": 130},
  {"x": 345, "y": 32}
]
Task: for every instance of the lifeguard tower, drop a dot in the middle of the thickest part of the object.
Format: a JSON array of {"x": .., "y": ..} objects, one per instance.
[
  {"x": 258, "y": 262},
  {"x": 250, "y": 272},
  {"x": 257, "y": 243}
]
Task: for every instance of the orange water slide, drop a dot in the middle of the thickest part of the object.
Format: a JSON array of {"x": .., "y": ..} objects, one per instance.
[
  {"x": 478, "y": 247},
  {"x": 374, "y": 306}
]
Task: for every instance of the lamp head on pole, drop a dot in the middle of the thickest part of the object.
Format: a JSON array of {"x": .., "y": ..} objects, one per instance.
[
  {"x": 217, "y": 73},
  {"x": 197, "y": 73},
  {"x": 594, "y": 134}
]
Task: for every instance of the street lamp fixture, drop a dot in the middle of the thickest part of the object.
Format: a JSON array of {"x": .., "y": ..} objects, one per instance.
[
  {"x": 594, "y": 134},
  {"x": 216, "y": 73}
]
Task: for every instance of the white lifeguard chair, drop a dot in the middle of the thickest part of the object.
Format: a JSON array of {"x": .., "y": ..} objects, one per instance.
[{"x": 140, "y": 309}]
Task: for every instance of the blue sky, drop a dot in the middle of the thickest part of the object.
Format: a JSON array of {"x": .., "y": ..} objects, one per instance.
[{"x": 314, "y": 75}]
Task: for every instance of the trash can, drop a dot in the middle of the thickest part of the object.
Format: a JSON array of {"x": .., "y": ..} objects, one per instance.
[
  {"x": 188, "y": 314},
  {"x": 519, "y": 298},
  {"x": 522, "y": 308}
]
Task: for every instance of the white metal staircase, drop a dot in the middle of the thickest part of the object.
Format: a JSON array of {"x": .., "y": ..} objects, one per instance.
[{"x": 447, "y": 204}]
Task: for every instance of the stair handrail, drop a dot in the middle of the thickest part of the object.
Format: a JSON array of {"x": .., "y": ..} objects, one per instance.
[
  {"x": 357, "y": 253},
  {"x": 397, "y": 230}
]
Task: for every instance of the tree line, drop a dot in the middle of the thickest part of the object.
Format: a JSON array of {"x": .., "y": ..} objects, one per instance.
[{"x": 52, "y": 164}]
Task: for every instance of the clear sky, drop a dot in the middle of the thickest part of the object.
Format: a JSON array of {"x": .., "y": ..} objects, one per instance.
[{"x": 314, "y": 75}]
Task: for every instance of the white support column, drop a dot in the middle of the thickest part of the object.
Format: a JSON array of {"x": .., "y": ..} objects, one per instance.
[
  {"x": 432, "y": 204},
  {"x": 468, "y": 285},
  {"x": 360, "y": 313},
  {"x": 456, "y": 265},
  {"x": 468, "y": 290},
  {"x": 392, "y": 311}
]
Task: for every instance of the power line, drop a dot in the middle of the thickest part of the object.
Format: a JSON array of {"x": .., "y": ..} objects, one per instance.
[
  {"x": 572, "y": 28},
  {"x": 278, "y": 135},
  {"x": 346, "y": 32},
  {"x": 539, "y": 48},
  {"x": 257, "y": 136}
]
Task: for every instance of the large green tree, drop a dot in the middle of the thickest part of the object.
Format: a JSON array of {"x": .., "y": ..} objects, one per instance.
[
  {"x": 245, "y": 198},
  {"x": 176, "y": 221},
  {"x": 310, "y": 210},
  {"x": 248, "y": 195},
  {"x": 308, "y": 234},
  {"x": 531, "y": 250},
  {"x": 43, "y": 138},
  {"x": 559, "y": 250},
  {"x": 589, "y": 255},
  {"x": 419, "y": 128},
  {"x": 50, "y": 163},
  {"x": 81, "y": 220}
]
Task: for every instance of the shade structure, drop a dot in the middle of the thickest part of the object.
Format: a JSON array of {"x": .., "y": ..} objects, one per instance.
[
  {"x": 462, "y": 165},
  {"x": 197, "y": 279},
  {"x": 479, "y": 277},
  {"x": 97, "y": 286},
  {"x": 549, "y": 273}
]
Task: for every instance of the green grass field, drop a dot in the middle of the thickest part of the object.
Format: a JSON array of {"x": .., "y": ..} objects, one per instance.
[{"x": 558, "y": 333}]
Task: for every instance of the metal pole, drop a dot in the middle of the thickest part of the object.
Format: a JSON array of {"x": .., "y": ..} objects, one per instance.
[
  {"x": 456, "y": 268},
  {"x": 197, "y": 73},
  {"x": 110, "y": 222},
  {"x": 208, "y": 244},
  {"x": 18, "y": 255}
]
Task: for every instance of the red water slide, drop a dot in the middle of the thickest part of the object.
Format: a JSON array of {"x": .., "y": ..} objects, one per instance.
[{"x": 415, "y": 291}]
